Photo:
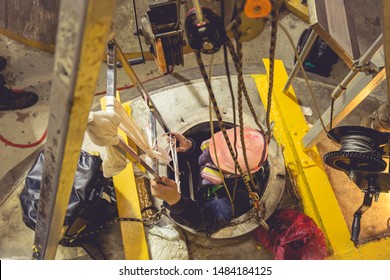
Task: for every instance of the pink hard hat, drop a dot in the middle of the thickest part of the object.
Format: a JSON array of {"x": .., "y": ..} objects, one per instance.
[{"x": 256, "y": 150}]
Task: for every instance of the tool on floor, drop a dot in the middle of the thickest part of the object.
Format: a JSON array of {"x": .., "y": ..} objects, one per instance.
[{"x": 361, "y": 157}]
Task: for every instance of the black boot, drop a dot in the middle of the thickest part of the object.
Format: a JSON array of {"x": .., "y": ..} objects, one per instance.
[
  {"x": 15, "y": 99},
  {"x": 3, "y": 63}
]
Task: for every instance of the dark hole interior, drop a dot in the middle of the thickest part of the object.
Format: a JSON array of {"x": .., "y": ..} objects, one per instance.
[{"x": 190, "y": 169}]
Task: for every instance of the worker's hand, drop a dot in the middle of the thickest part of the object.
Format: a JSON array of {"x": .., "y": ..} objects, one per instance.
[
  {"x": 165, "y": 190},
  {"x": 183, "y": 143}
]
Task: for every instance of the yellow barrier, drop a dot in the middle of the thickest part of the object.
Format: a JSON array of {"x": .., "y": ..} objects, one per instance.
[{"x": 307, "y": 171}]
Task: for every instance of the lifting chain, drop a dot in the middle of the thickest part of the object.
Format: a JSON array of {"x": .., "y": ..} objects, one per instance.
[
  {"x": 254, "y": 213},
  {"x": 149, "y": 222}
]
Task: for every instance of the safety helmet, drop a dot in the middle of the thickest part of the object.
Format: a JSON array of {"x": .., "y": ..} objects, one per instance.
[{"x": 256, "y": 150}]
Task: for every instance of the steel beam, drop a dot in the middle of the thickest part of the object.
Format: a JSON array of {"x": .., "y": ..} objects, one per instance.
[
  {"x": 81, "y": 40},
  {"x": 305, "y": 51},
  {"x": 140, "y": 88}
]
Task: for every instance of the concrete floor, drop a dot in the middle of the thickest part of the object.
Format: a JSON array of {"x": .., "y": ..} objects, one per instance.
[{"x": 31, "y": 69}]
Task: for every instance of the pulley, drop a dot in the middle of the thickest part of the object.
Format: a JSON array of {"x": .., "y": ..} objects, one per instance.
[
  {"x": 161, "y": 31},
  {"x": 250, "y": 28},
  {"x": 361, "y": 149},
  {"x": 206, "y": 36}
]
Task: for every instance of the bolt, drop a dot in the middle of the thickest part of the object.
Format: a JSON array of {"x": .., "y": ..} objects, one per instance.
[
  {"x": 351, "y": 175},
  {"x": 208, "y": 46},
  {"x": 257, "y": 9}
]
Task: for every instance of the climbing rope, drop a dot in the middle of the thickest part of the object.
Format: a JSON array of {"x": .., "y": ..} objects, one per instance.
[
  {"x": 240, "y": 78},
  {"x": 274, "y": 30},
  {"x": 253, "y": 195}
]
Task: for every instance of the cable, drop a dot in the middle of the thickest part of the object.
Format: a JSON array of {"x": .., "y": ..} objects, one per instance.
[
  {"x": 274, "y": 30},
  {"x": 357, "y": 143},
  {"x": 305, "y": 77},
  {"x": 130, "y": 86},
  {"x": 253, "y": 195},
  {"x": 237, "y": 37},
  {"x": 331, "y": 114},
  {"x": 227, "y": 70},
  {"x": 212, "y": 137},
  {"x": 24, "y": 146}
]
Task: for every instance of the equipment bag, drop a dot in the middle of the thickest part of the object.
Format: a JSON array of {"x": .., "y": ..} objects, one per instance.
[
  {"x": 92, "y": 201},
  {"x": 320, "y": 58}
]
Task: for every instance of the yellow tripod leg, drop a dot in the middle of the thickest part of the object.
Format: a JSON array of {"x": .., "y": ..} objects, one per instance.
[{"x": 133, "y": 233}]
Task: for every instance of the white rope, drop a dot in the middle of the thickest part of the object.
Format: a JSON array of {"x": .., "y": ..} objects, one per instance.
[{"x": 134, "y": 132}]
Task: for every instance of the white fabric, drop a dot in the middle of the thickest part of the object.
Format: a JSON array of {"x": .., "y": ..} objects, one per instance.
[
  {"x": 103, "y": 130},
  {"x": 113, "y": 163},
  {"x": 133, "y": 131},
  {"x": 166, "y": 243}
]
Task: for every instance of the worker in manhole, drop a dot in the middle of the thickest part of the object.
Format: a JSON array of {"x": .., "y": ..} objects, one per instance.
[{"x": 220, "y": 193}]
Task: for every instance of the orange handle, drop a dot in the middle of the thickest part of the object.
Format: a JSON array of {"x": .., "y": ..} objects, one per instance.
[{"x": 257, "y": 8}]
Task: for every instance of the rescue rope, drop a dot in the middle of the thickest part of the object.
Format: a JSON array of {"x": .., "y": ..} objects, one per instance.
[
  {"x": 213, "y": 139},
  {"x": 253, "y": 195},
  {"x": 227, "y": 70},
  {"x": 274, "y": 30},
  {"x": 241, "y": 84}
]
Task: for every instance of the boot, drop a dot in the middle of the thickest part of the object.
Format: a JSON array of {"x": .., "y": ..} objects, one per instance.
[{"x": 11, "y": 99}]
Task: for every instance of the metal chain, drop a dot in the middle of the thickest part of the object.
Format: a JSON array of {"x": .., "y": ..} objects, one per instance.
[
  {"x": 150, "y": 221},
  {"x": 251, "y": 214},
  {"x": 274, "y": 30}
]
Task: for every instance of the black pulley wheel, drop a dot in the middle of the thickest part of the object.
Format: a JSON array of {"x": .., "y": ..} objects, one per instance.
[
  {"x": 206, "y": 37},
  {"x": 354, "y": 161}
]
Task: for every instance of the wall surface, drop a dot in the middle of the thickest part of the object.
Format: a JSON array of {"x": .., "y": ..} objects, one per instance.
[{"x": 33, "y": 20}]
